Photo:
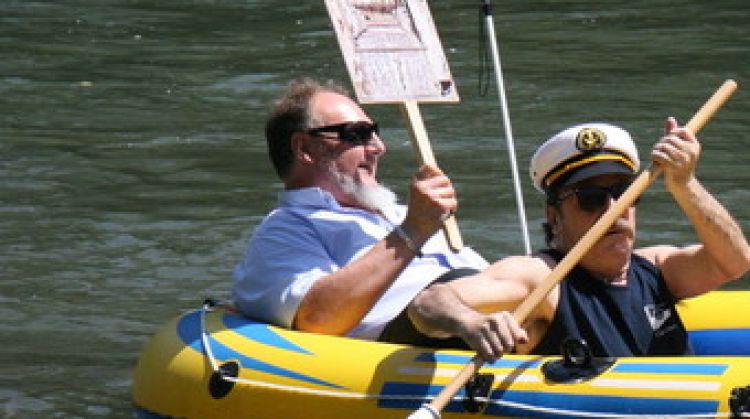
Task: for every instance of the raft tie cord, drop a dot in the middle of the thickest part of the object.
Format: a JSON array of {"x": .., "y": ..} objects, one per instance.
[{"x": 208, "y": 306}]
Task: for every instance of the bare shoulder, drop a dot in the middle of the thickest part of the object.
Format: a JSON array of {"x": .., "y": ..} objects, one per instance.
[
  {"x": 684, "y": 269},
  {"x": 662, "y": 254},
  {"x": 528, "y": 269}
]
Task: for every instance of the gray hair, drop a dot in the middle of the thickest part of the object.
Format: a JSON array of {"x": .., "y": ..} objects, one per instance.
[{"x": 291, "y": 113}]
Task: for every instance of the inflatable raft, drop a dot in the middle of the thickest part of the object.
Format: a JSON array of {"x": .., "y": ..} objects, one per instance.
[{"x": 213, "y": 363}]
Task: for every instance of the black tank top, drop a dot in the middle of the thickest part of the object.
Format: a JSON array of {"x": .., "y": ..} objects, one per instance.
[{"x": 632, "y": 320}]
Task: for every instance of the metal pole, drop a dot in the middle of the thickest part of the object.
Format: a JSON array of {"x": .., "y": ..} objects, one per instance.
[{"x": 490, "y": 26}]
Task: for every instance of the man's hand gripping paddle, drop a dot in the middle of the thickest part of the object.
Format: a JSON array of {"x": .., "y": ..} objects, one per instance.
[{"x": 641, "y": 183}]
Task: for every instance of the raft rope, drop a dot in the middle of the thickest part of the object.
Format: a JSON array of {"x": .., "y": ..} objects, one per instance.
[{"x": 209, "y": 305}]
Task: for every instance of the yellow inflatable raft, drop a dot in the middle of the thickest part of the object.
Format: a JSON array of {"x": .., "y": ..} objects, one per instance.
[{"x": 213, "y": 363}]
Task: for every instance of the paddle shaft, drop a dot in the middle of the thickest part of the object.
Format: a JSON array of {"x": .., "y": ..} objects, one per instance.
[
  {"x": 641, "y": 183},
  {"x": 421, "y": 144}
]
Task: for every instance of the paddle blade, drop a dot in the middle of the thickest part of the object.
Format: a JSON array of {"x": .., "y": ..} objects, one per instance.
[{"x": 425, "y": 412}]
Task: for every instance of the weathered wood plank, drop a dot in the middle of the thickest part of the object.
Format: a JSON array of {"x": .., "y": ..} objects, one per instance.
[{"x": 392, "y": 51}]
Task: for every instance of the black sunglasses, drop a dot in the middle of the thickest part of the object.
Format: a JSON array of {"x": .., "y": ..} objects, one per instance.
[
  {"x": 592, "y": 198},
  {"x": 357, "y": 133}
]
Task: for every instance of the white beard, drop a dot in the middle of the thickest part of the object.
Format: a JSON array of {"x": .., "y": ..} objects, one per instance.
[{"x": 375, "y": 198}]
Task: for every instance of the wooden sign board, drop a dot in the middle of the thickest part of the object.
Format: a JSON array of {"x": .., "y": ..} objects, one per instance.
[{"x": 392, "y": 51}]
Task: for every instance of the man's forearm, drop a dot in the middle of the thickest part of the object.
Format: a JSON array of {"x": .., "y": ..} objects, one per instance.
[
  {"x": 721, "y": 236},
  {"x": 338, "y": 303},
  {"x": 436, "y": 312}
]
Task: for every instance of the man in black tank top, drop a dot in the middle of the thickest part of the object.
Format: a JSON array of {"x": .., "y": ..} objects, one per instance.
[
  {"x": 619, "y": 299},
  {"x": 636, "y": 319}
]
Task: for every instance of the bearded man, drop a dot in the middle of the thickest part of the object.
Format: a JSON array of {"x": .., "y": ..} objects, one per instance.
[{"x": 339, "y": 255}]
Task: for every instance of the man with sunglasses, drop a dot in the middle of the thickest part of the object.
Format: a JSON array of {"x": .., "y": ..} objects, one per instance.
[
  {"x": 338, "y": 255},
  {"x": 618, "y": 299}
]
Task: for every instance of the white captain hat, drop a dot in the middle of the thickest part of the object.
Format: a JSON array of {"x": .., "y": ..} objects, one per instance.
[{"x": 580, "y": 152}]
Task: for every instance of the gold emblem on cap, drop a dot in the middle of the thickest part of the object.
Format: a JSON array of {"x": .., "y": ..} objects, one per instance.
[{"x": 590, "y": 139}]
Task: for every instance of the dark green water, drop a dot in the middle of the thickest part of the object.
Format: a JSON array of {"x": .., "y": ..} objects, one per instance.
[{"x": 133, "y": 164}]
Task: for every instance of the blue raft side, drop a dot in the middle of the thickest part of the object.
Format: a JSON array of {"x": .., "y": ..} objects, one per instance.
[
  {"x": 142, "y": 413},
  {"x": 513, "y": 403},
  {"x": 726, "y": 342},
  {"x": 548, "y": 404},
  {"x": 189, "y": 331}
]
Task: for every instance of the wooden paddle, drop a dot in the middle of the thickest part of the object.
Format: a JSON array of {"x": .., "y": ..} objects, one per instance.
[{"x": 642, "y": 182}]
